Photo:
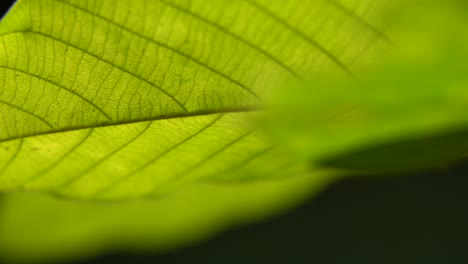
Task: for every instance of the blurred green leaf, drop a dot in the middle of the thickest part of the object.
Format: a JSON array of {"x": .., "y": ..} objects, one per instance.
[
  {"x": 409, "y": 113},
  {"x": 41, "y": 228}
]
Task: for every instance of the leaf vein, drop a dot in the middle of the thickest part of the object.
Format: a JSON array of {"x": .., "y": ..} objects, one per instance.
[
  {"x": 174, "y": 50},
  {"x": 206, "y": 159},
  {"x": 301, "y": 34},
  {"x": 233, "y": 35},
  {"x": 28, "y": 112},
  {"x": 340, "y": 6},
  {"x": 13, "y": 157},
  {"x": 62, "y": 158},
  {"x": 111, "y": 64},
  {"x": 60, "y": 86},
  {"x": 156, "y": 158},
  {"x": 101, "y": 161}
]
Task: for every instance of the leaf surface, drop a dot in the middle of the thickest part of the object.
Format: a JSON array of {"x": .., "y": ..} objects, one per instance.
[
  {"x": 406, "y": 114},
  {"x": 135, "y": 99},
  {"x": 112, "y": 100}
]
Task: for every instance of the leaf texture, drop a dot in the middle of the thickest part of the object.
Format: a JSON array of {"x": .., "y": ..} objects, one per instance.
[{"x": 117, "y": 99}]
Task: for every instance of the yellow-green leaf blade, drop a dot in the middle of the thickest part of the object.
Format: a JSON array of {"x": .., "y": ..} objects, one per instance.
[{"x": 105, "y": 99}]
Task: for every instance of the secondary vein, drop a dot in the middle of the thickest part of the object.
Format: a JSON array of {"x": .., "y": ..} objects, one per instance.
[{"x": 301, "y": 34}]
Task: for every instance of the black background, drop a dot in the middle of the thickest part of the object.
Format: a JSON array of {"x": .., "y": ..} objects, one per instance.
[
  {"x": 4, "y": 5},
  {"x": 401, "y": 219}
]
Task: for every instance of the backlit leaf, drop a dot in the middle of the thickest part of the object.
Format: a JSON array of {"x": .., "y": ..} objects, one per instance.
[{"x": 111, "y": 100}]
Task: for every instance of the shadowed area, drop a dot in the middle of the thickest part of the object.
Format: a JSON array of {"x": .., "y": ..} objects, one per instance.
[
  {"x": 404, "y": 219},
  {"x": 410, "y": 154}
]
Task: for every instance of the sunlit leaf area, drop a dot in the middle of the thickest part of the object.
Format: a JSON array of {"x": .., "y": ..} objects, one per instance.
[{"x": 233, "y": 131}]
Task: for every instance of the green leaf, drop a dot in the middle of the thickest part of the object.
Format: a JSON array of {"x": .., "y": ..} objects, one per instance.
[
  {"x": 127, "y": 99},
  {"x": 111, "y": 100},
  {"x": 37, "y": 228},
  {"x": 406, "y": 114}
]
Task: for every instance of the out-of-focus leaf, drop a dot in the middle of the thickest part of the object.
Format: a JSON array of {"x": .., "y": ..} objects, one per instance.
[
  {"x": 41, "y": 228},
  {"x": 407, "y": 114}
]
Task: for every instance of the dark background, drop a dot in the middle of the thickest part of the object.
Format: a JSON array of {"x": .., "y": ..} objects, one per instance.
[
  {"x": 421, "y": 218},
  {"x": 4, "y": 5},
  {"x": 401, "y": 219}
]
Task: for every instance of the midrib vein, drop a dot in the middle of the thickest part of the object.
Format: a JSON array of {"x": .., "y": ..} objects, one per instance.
[{"x": 138, "y": 120}]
